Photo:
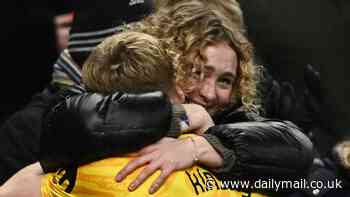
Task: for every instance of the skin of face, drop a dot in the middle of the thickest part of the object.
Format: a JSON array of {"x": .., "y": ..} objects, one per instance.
[{"x": 220, "y": 71}]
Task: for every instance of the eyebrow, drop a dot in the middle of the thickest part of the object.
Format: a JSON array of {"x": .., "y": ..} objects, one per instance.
[
  {"x": 229, "y": 74},
  {"x": 226, "y": 74}
]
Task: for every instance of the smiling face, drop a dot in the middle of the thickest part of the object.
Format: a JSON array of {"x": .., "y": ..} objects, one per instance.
[
  {"x": 215, "y": 90},
  {"x": 212, "y": 59}
]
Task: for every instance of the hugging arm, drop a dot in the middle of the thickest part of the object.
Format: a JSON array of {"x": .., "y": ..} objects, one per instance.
[
  {"x": 240, "y": 151},
  {"x": 89, "y": 127},
  {"x": 264, "y": 149}
]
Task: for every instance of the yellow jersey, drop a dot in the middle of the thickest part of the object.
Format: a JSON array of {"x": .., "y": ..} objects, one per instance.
[{"x": 98, "y": 179}]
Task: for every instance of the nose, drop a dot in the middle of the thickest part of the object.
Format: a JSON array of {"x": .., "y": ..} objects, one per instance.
[{"x": 208, "y": 92}]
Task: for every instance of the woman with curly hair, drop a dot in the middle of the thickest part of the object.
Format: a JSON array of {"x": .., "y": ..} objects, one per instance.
[{"x": 214, "y": 69}]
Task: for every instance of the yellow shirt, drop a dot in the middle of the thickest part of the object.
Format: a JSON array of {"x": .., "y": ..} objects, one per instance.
[{"x": 98, "y": 179}]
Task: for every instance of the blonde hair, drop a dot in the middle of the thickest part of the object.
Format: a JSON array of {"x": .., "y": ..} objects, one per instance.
[
  {"x": 231, "y": 9},
  {"x": 131, "y": 62},
  {"x": 189, "y": 27}
]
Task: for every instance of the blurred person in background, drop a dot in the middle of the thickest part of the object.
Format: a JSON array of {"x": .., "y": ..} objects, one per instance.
[{"x": 29, "y": 48}]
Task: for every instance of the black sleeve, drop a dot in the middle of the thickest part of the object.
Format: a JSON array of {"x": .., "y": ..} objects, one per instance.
[
  {"x": 19, "y": 141},
  {"x": 89, "y": 127},
  {"x": 20, "y": 135},
  {"x": 265, "y": 149}
]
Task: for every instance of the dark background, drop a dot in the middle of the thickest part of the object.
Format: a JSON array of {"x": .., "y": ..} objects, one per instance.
[{"x": 289, "y": 34}]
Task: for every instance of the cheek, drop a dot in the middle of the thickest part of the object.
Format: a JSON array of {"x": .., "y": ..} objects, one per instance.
[{"x": 224, "y": 96}]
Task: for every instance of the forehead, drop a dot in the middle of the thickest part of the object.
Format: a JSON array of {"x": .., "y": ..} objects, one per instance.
[{"x": 221, "y": 58}]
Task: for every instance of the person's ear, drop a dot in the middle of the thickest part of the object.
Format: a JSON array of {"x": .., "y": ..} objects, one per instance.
[{"x": 177, "y": 95}]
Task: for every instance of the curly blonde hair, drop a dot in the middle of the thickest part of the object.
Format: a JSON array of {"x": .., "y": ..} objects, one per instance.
[
  {"x": 230, "y": 8},
  {"x": 188, "y": 27}
]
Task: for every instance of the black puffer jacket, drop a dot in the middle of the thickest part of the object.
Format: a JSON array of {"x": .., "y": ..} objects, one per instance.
[
  {"x": 88, "y": 127},
  {"x": 254, "y": 147}
]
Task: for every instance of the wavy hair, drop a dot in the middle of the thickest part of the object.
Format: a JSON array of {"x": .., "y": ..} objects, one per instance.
[
  {"x": 230, "y": 8},
  {"x": 188, "y": 27}
]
